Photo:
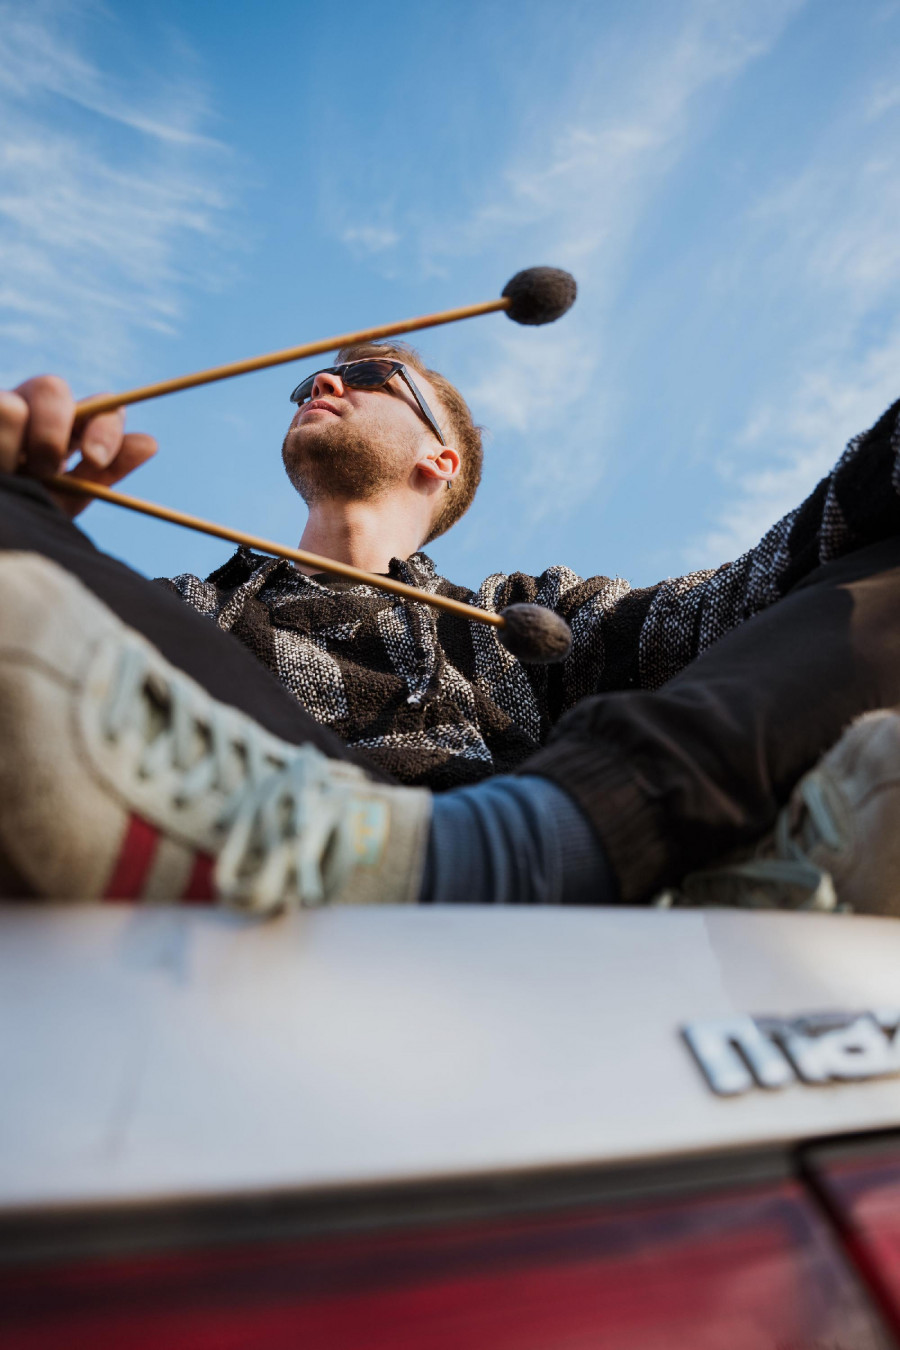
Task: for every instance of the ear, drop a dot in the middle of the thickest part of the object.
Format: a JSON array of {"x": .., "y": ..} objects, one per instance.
[{"x": 442, "y": 463}]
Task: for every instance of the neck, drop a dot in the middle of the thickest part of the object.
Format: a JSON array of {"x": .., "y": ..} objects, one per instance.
[{"x": 364, "y": 534}]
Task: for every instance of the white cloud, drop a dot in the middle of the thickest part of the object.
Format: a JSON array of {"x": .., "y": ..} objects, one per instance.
[
  {"x": 882, "y": 99},
  {"x": 829, "y": 239},
  {"x": 106, "y": 189},
  {"x": 576, "y": 195},
  {"x": 530, "y": 376},
  {"x": 616, "y": 131},
  {"x": 798, "y": 442},
  {"x": 370, "y": 238},
  {"x": 573, "y": 193}
]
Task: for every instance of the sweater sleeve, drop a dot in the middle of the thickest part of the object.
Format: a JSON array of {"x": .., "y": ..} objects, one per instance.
[
  {"x": 201, "y": 595},
  {"x": 224, "y": 594},
  {"x": 857, "y": 504},
  {"x": 626, "y": 638}
]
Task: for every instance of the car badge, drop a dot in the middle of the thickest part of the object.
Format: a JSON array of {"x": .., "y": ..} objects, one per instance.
[{"x": 737, "y": 1054}]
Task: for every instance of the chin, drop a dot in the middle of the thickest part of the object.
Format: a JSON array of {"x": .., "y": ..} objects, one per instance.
[{"x": 324, "y": 459}]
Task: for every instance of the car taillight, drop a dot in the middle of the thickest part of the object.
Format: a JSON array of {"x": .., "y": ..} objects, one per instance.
[
  {"x": 751, "y": 1269},
  {"x": 860, "y": 1186}
]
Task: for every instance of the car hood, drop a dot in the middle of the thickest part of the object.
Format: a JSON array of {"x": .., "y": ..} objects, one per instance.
[{"x": 156, "y": 1052}]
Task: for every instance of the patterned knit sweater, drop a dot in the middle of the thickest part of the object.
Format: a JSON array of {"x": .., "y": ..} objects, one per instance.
[{"x": 436, "y": 700}]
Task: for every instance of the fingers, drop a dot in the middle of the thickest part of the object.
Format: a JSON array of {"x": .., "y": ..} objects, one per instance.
[
  {"x": 134, "y": 450},
  {"x": 13, "y": 421},
  {"x": 38, "y": 433},
  {"x": 35, "y": 425},
  {"x": 36, "y": 429},
  {"x": 48, "y": 432},
  {"x": 100, "y": 439}
]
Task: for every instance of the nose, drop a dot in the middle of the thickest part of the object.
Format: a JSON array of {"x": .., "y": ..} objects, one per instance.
[{"x": 327, "y": 383}]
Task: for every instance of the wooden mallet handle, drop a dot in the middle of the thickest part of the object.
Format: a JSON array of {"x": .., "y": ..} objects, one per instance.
[
  {"x": 532, "y": 632},
  {"x": 79, "y": 487},
  {"x": 89, "y": 407},
  {"x": 536, "y": 296}
]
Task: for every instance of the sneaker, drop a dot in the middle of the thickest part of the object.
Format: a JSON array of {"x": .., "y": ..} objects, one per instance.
[
  {"x": 121, "y": 778},
  {"x": 835, "y": 846}
]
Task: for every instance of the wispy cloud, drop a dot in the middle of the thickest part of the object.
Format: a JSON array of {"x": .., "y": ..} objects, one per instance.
[
  {"x": 106, "y": 190},
  {"x": 574, "y": 192},
  {"x": 370, "y": 238},
  {"x": 581, "y": 183},
  {"x": 796, "y": 443},
  {"x": 830, "y": 236}
]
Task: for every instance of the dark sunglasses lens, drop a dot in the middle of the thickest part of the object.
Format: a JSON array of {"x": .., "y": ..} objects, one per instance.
[
  {"x": 358, "y": 374},
  {"x": 304, "y": 389},
  {"x": 368, "y": 374}
]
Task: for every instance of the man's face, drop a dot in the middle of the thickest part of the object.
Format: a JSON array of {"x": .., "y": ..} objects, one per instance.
[{"x": 357, "y": 443}]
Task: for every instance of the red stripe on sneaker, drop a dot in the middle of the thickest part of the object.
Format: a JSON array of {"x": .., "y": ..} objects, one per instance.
[
  {"x": 134, "y": 861},
  {"x": 199, "y": 888}
]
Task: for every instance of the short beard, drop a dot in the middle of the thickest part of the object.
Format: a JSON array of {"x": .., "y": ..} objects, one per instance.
[{"x": 334, "y": 461}]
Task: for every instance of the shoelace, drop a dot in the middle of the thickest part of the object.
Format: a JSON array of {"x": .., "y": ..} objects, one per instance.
[
  {"x": 277, "y": 815},
  {"x": 281, "y": 837}
]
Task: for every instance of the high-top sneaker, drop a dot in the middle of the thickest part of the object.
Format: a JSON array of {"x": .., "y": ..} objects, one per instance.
[
  {"x": 121, "y": 778},
  {"x": 836, "y": 845}
]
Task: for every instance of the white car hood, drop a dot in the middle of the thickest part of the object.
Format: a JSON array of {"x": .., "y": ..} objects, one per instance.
[{"x": 150, "y": 1053}]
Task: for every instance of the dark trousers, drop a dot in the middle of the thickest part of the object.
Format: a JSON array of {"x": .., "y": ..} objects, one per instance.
[
  {"x": 672, "y": 779},
  {"x": 676, "y": 778}
]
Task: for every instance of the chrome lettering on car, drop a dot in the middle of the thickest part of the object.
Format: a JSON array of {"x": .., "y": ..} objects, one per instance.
[{"x": 737, "y": 1054}]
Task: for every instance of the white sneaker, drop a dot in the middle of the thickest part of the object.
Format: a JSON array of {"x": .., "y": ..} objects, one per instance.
[
  {"x": 121, "y": 778},
  {"x": 836, "y": 845}
]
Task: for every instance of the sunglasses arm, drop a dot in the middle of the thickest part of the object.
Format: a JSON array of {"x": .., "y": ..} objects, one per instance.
[{"x": 426, "y": 411}]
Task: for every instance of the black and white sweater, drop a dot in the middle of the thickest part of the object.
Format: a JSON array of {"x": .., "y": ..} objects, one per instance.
[{"x": 437, "y": 701}]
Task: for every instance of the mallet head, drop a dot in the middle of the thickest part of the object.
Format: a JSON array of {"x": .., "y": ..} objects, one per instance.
[
  {"x": 536, "y": 635},
  {"x": 539, "y": 294}
]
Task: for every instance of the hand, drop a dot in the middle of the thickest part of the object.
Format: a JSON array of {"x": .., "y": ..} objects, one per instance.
[{"x": 38, "y": 435}]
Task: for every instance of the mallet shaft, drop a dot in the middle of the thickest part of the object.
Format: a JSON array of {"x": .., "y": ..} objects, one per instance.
[
  {"x": 80, "y": 488},
  {"x": 89, "y": 407}
]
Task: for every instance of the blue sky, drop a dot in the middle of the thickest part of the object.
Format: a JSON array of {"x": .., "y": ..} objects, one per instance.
[{"x": 188, "y": 183}]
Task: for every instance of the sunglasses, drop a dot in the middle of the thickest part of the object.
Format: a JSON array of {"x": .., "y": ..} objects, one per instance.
[{"x": 373, "y": 373}]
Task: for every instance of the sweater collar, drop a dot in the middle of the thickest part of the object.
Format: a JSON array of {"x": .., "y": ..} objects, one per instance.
[{"x": 416, "y": 570}]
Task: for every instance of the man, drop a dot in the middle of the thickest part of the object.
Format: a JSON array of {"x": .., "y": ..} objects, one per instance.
[{"x": 635, "y": 786}]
